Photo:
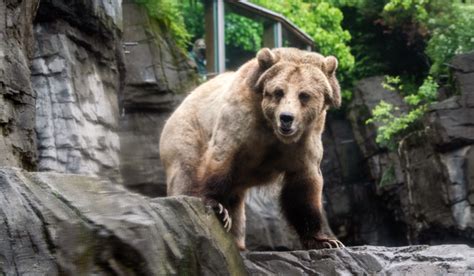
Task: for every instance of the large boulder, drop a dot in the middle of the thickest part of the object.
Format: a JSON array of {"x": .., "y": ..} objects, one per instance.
[
  {"x": 17, "y": 98},
  {"x": 65, "y": 224},
  {"x": 77, "y": 75},
  {"x": 365, "y": 260},
  {"x": 158, "y": 76}
]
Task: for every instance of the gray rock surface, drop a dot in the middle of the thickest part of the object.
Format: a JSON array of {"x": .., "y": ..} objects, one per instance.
[
  {"x": 366, "y": 260},
  {"x": 88, "y": 15},
  {"x": 463, "y": 67},
  {"x": 367, "y": 94},
  {"x": 356, "y": 212},
  {"x": 424, "y": 196},
  {"x": 375, "y": 216},
  {"x": 65, "y": 224},
  {"x": 17, "y": 108},
  {"x": 266, "y": 227},
  {"x": 76, "y": 76},
  {"x": 427, "y": 185},
  {"x": 438, "y": 195},
  {"x": 451, "y": 121},
  {"x": 158, "y": 76}
]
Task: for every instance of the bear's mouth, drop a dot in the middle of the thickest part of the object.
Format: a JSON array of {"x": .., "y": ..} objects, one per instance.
[{"x": 286, "y": 131}]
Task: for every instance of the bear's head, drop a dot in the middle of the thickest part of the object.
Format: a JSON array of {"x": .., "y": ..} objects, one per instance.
[{"x": 297, "y": 87}]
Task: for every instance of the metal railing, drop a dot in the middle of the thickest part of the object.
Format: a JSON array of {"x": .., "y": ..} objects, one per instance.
[{"x": 276, "y": 28}]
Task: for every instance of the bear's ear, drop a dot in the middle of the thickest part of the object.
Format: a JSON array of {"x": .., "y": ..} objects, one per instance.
[
  {"x": 330, "y": 65},
  {"x": 266, "y": 58},
  {"x": 334, "y": 97}
]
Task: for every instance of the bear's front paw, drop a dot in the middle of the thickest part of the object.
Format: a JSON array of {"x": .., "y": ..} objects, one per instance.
[
  {"x": 322, "y": 242},
  {"x": 221, "y": 213}
]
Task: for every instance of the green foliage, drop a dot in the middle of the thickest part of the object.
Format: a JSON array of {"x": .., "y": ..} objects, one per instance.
[
  {"x": 426, "y": 94},
  {"x": 449, "y": 27},
  {"x": 169, "y": 16},
  {"x": 193, "y": 14},
  {"x": 243, "y": 32},
  {"x": 408, "y": 8},
  {"x": 453, "y": 33},
  {"x": 392, "y": 83},
  {"x": 240, "y": 31},
  {"x": 392, "y": 127},
  {"x": 410, "y": 39}
]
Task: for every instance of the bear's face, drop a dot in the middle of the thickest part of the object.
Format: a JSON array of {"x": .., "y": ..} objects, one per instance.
[
  {"x": 295, "y": 94},
  {"x": 293, "y": 98}
]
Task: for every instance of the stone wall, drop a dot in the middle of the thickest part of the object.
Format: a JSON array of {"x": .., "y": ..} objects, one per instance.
[
  {"x": 17, "y": 98},
  {"x": 439, "y": 165},
  {"x": 357, "y": 213},
  {"x": 427, "y": 185},
  {"x": 76, "y": 76},
  {"x": 158, "y": 77}
]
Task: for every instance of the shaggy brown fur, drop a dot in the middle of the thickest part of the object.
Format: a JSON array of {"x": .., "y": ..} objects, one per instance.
[{"x": 250, "y": 127}]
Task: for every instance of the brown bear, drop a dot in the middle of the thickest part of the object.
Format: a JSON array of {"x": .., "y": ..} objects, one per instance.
[{"x": 259, "y": 125}]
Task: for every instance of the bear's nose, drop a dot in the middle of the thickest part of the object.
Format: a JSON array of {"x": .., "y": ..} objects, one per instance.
[{"x": 286, "y": 118}]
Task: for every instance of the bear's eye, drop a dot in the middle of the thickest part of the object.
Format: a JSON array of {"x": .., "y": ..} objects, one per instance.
[
  {"x": 304, "y": 97},
  {"x": 278, "y": 93}
]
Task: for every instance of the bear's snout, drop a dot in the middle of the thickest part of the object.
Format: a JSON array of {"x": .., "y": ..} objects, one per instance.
[{"x": 286, "y": 119}]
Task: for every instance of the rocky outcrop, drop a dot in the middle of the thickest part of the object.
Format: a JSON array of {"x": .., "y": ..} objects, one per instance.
[
  {"x": 366, "y": 260},
  {"x": 439, "y": 166},
  {"x": 362, "y": 179},
  {"x": 76, "y": 76},
  {"x": 427, "y": 186},
  {"x": 64, "y": 224},
  {"x": 17, "y": 98},
  {"x": 158, "y": 76},
  {"x": 356, "y": 212}
]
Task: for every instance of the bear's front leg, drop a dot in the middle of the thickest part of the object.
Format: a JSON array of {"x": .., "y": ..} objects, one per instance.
[
  {"x": 301, "y": 200},
  {"x": 220, "y": 193}
]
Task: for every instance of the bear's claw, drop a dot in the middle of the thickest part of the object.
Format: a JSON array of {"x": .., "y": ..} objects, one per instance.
[
  {"x": 335, "y": 244},
  {"x": 322, "y": 243},
  {"x": 226, "y": 218},
  {"x": 222, "y": 214}
]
